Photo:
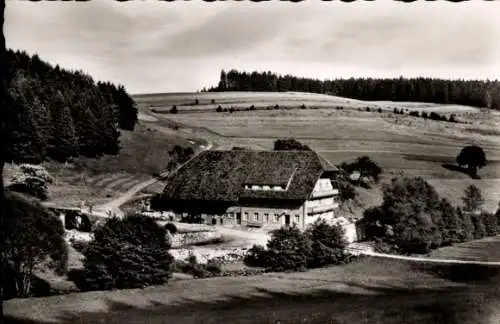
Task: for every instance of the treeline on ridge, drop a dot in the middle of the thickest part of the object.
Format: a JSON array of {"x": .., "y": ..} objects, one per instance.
[
  {"x": 463, "y": 92},
  {"x": 55, "y": 113}
]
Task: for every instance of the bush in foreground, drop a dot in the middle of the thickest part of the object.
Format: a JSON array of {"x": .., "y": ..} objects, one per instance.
[
  {"x": 127, "y": 253},
  {"x": 198, "y": 270}
]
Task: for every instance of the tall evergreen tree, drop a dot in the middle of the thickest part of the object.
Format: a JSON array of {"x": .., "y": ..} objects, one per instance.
[{"x": 63, "y": 142}]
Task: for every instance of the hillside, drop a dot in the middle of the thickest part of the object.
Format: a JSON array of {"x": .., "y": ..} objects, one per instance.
[{"x": 342, "y": 129}]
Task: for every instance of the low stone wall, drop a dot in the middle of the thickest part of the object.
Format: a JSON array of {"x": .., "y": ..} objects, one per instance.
[
  {"x": 204, "y": 255},
  {"x": 190, "y": 238}
]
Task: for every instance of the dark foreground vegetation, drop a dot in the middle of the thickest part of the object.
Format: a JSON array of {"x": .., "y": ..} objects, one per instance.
[
  {"x": 58, "y": 114},
  {"x": 473, "y": 93}
]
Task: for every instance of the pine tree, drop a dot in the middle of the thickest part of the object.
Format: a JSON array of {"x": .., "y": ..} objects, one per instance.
[{"x": 63, "y": 142}]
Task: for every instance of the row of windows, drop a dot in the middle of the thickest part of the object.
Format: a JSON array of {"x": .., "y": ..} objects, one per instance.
[{"x": 256, "y": 217}]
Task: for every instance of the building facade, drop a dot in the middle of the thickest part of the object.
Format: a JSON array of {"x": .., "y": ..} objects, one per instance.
[{"x": 267, "y": 189}]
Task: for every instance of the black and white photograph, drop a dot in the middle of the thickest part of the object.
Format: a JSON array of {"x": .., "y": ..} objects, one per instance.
[{"x": 250, "y": 162}]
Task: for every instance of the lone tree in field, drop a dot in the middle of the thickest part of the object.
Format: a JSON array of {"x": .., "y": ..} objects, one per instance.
[
  {"x": 34, "y": 235},
  {"x": 290, "y": 144},
  {"x": 473, "y": 199},
  {"x": 473, "y": 157},
  {"x": 127, "y": 253}
]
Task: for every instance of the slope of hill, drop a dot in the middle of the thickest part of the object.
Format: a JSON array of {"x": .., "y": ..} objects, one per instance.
[
  {"x": 210, "y": 101},
  {"x": 342, "y": 129}
]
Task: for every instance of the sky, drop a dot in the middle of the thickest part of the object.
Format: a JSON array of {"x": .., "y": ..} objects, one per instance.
[{"x": 153, "y": 46}]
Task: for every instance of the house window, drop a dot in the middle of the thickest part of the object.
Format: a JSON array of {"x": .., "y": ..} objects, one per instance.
[
  {"x": 266, "y": 218},
  {"x": 276, "y": 218},
  {"x": 297, "y": 219},
  {"x": 256, "y": 217},
  {"x": 245, "y": 216}
]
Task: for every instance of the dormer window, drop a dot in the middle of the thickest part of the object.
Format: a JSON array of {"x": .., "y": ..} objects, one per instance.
[{"x": 264, "y": 187}]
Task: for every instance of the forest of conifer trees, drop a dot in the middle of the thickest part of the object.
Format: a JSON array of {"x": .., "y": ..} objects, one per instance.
[
  {"x": 57, "y": 114},
  {"x": 464, "y": 92}
]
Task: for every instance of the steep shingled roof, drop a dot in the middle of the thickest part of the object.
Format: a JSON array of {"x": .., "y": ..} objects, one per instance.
[{"x": 222, "y": 175}]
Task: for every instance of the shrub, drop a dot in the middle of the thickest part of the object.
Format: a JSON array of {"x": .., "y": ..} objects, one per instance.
[
  {"x": 31, "y": 186},
  {"x": 213, "y": 101},
  {"x": 424, "y": 115},
  {"x": 302, "y": 106},
  {"x": 252, "y": 107},
  {"x": 196, "y": 101},
  {"x": 219, "y": 109},
  {"x": 434, "y": 116},
  {"x": 473, "y": 199},
  {"x": 231, "y": 110},
  {"x": 290, "y": 144},
  {"x": 197, "y": 270},
  {"x": 328, "y": 244},
  {"x": 256, "y": 257},
  {"x": 276, "y": 106},
  {"x": 452, "y": 118},
  {"x": 379, "y": 110},
  {"x": 490, "y": 223},
  {"x": 174, "y": 110},
  {"x": 37, "y": 171},
  {"x": 367, "y": 109},
  {"x": 365, "y": 166},
  {"x": 127, "y": 253},
  {"x": 288, "y": 250},
  {"x": 171, "y": 228}
]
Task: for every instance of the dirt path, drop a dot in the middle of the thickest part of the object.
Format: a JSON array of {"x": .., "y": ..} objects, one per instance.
[
  {"x": 364, "y": 249},
  {"x": 113, "y": 206}
]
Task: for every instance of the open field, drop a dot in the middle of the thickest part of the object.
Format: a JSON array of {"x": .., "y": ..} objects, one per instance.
[
  {"x": 370, "y": 290},
  {"x": 260, "y": 100}
]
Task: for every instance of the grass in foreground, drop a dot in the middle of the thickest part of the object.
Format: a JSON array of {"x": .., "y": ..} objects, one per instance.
[{"x": 370, "y": 290}]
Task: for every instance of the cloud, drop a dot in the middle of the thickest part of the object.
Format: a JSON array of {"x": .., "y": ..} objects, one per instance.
[{"x": 181, "y": 46}]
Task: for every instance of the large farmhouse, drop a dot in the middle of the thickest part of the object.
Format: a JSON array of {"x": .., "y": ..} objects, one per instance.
[{"x": 253, "y": 188}]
